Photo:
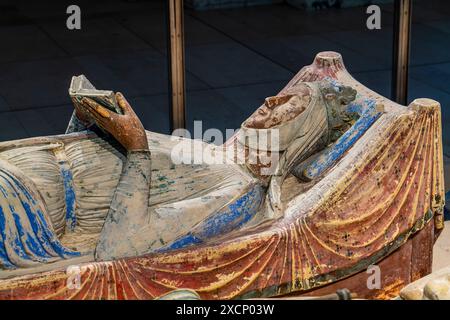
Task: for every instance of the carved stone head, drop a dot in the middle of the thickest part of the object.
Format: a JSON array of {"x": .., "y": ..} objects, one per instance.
[
  {"x": 280, "y": 109},
  {"x": 285, "y": 117}
]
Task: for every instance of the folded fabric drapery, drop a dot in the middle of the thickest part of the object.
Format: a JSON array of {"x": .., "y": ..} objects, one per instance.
[{"x": 26, "y": 234}]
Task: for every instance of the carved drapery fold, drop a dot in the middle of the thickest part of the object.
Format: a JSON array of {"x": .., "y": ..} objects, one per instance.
[{"x": 386, "y": 188}]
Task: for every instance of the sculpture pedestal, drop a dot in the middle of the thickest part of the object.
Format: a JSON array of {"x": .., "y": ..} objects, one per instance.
[{"x": 410, "y": 262}]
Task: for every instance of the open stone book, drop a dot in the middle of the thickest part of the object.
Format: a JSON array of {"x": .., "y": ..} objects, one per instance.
[{"x": 81, "y": 87}]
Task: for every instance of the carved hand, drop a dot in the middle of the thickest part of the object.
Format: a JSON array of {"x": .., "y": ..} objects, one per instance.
[
  {"x": 82, "y": 117},
  {"x": 126, "y": 128}
]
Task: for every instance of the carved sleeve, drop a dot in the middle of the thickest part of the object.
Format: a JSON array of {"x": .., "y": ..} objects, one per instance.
[{"x": 128, "y": 210}]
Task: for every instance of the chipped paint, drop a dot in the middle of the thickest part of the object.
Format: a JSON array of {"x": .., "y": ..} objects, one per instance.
[{"x": 368, "y": 204}]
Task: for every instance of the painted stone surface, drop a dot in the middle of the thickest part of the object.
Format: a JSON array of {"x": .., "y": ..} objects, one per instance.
[
  {"x": 435, "y": 286},
  {"x": 345, "y": 192}
]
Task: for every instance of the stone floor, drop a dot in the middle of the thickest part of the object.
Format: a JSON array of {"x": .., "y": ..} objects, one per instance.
[
  {"x": 234, "y": 58},
  {"x": 441, "y": 250}
]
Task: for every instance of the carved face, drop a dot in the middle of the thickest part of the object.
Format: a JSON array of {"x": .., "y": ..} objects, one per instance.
[{"x": 279, "y": 109}]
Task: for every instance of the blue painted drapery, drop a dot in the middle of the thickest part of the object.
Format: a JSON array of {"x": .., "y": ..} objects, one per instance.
[{"x": 26, "y": 235}]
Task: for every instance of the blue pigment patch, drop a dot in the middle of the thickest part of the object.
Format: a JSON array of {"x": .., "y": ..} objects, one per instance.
[
  {"x": 71, "y": 218},
  {"x": 229, "y": 218},
  {"x": 23, "y": 236},
  {"x": 346, "y": 141},
  {"x": 24, "y": 231},
  {"x": 4, "y": 259},
  {"x": 184, "y": 241},
  {"x": 367, "y": 105}
]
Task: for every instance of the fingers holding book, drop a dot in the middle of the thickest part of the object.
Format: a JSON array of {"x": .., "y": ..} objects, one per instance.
[
  {"x": 110, "y": 111},
  {"x": 126, "y": 127}
]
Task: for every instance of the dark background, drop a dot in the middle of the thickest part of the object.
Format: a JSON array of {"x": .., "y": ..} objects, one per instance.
[{"x": 234, "y": 58}]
